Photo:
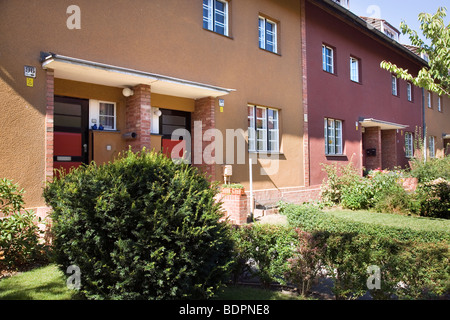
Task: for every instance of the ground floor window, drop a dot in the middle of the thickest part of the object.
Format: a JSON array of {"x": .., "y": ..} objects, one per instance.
[
  {"x": 409, "y": 144},
  {"x": 432, "y": 147},
  {"x": 333, "y": 137},
  {"x": 263, "y": 129}
]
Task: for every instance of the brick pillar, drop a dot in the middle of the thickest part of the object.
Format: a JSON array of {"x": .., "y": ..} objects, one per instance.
[
  {"x": 139, "y": 117},
  {"x": 372, "y": 140},
  {"x": 234, "y": 208},
  {"x": 204, "y": 114},
  {"x": 49, "y": 123},
  {"x": 389, "y": 147}
]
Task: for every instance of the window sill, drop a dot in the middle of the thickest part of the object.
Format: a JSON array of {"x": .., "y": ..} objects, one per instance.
[
  {"x": 220, "y": 34},
  {"x": 110, "y": 131},
  {"x": 266, "y": 152},
  {"x": 336, "y": 155},
  {"x": 265, "y": 50}
]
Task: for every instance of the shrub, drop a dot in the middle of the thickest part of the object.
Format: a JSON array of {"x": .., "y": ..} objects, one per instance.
[
  {"x": 434, "y": 198},
  {"x": 338, "y": 178},
  {"x": 19, "y": 233},
  {"x": 264, "y": 251},
  {"x": 430, "y": 170},
  {"x": 304, "y": 266},
  {"x": 358, "y": 195},
  {"x": 141, "y": 227}
]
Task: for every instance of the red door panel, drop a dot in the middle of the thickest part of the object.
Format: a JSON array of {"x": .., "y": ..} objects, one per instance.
[
  {"x": 169, "y": 145},
  {"x": 67, "y": 144}
]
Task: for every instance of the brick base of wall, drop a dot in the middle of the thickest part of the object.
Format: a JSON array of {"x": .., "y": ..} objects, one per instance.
[{"x": 235, "y": 208}]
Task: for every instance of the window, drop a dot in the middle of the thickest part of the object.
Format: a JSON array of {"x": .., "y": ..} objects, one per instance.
[
  {"x": 429, "y": 99},
  {"x": 409, "y": 144},
  {"x": 409, "y": 93},
  {"x": 263, "y": 129},
  {"x": 328, "y": 59},
  {"x": 394, "y": 85},
  {"x": 432, "y": 148},
  {"x": 333, "y": 137},
  {"x": 107, "y": 115},
  {"x": 215, "y": 16},
  {"x": 267, "y": 35},
  {"x": 354, "y": 69},
  {"x": 440, "y": 104}
]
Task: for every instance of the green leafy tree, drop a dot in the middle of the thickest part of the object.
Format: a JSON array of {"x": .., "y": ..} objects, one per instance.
[{"x": 436, "y": 45}]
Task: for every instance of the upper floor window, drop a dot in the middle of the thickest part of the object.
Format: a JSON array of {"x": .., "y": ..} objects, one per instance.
[
  {"x": 333, "y": 137},
  {"x": 263, "y": 129},
  {"x": 215, "y": 16},
  {"x": 354, "y": 69},
  {"x": 409, "y": 91},
  {"x": 394, "y": 82},
  {"x": 429, "y": 99},
  {"x": 327, "y": 59},
  {"x": 267, "y": 35},
  {"x": 440, "y": 104}
]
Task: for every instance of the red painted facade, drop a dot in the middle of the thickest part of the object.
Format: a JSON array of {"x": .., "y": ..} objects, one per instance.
[{"x": 336, "y": 96}]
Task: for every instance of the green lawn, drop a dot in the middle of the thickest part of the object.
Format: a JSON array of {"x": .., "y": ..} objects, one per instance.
[
  {"x": 46, "y": 283},
  {"x": 394, "y": 220}
]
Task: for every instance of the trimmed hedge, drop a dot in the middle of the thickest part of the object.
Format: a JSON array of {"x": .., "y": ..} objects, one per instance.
[
  {"x": 311, "y": 218},
  {"x": 141, "y": 227}
]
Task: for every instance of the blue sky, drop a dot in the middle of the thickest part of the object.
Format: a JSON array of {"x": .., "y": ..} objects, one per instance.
[{"x": 396, "y": 11}]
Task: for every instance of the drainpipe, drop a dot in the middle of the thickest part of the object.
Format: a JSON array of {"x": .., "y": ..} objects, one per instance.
[{"x": 252, "y": 200}]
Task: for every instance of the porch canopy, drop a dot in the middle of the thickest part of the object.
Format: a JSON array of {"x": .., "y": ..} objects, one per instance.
[
  {"x": 384, "y": 125},
  {"x": 70, "y": 68}
]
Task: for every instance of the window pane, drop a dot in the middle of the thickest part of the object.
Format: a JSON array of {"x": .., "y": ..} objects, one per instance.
[
  {"x": 270, "y": 36},
  {"x": 327, "y": 59},
  {"x": 207, "y": 14},
  {"x": 354, "y": 69},
  {"x": 106, "y": 109},
  {"x": 107, "y": 122},
  {"x": 220, "y": 18},
  {"x": 262, "y": 32}
]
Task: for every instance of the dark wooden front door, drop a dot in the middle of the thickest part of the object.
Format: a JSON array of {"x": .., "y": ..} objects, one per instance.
[
  {"x": 170, "y": 121},
  {"x": 70, "y": 148}
]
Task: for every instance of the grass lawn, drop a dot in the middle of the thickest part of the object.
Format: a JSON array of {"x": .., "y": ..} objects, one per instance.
[
  {"x": 48, "y": 283},
  {"x": 394, "y": 220}
]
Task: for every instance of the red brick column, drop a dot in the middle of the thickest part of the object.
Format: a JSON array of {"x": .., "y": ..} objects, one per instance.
[
  {"x": 372, "y": 140},
  {"x": 234, "y": 207},
  {"x": 205, "y": 114},
  {"x": 139, "y": 117},
  {"x": 49, "y": 123}
]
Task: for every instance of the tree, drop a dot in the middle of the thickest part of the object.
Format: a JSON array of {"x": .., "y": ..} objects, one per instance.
[{"x": 436, "y": 76}]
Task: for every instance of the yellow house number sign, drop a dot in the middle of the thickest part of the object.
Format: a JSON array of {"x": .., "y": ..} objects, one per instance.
[
  {"x": 30, "y": 82},
  {"x": 30, "y": 74}
]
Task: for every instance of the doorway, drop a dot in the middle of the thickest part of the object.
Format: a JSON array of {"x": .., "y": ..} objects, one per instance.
[
  {"x": 170, "y": 121},
  {"x": 70, "y": 148}
]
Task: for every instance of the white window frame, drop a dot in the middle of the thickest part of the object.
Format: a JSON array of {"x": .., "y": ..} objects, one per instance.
[
  {"x": 409, "y": 145},
  {"x": 333, "y": 136},
  {"x": 263, "y": 43},
  {"x": 439, "y": 103},
  {"x": 259, "y": 138},
  {"x": 210, "y": 20},
  {"x": 354, "y": 69},
  {"x": 327, "y": 58},
  {"x": 409, "y": 91},
  {"x": 394, "y": 85},
  {"x": 432, "y": 147},
  {"x": 94, "y": 114}
]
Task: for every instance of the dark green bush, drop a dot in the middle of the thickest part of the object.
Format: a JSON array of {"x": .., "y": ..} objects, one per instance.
[
  {"x": 141, "y": 227},
  {"x": 20, "y": 241}
]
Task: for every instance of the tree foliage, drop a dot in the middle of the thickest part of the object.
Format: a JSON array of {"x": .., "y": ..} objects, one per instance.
[{"x": 436, "y": 45}]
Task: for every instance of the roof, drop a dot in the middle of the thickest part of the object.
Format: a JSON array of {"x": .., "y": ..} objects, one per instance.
[
  {"x": 376, "y": 22},
  {"x": 364, "y": 26}
]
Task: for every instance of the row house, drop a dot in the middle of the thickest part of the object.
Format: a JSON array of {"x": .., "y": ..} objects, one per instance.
[{"x": 270, "y": 89}]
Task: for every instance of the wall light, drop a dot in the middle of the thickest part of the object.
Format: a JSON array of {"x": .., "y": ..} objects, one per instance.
[
  {"x": 158, "y": 113},
  {"x": 127, "y": 92}
]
